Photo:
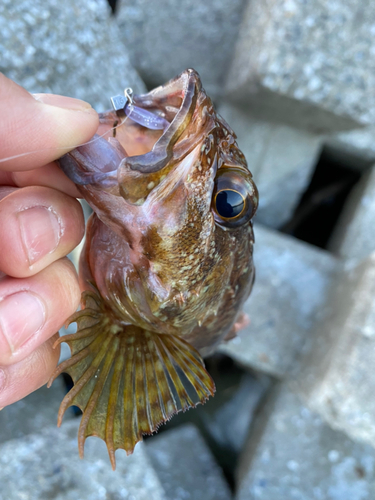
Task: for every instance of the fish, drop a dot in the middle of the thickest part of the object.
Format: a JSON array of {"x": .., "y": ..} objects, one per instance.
[{"x": 167, "y": 261}]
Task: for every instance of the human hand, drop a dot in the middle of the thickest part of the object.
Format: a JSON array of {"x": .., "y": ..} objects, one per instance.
[{"x": 40, "y": 223}]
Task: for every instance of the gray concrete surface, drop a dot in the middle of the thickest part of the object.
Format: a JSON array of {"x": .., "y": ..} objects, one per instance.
[
  {"x": 185, "y": 466},
  {"x": 33, "y": 413},
  {"x": 46, "y": 466},
  {"x": 292, "y": 284},
  {"x": 281, "y": 159},
  {"x": 65, "y": 48},
  {"x": 355, "y": 148},
  {"x": 168, "y": 36},
  {"x": 292, "y": 454},
  {"x": 307, "y": 63},
  {"x": 336, "y": 377},
  {"x": 229, "y": 423},
  {"x": 354, "y": 235}
]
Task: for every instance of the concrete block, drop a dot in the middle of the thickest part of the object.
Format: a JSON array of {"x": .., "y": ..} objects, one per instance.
[
  {"x": 229, "y": 424},
  {"x": 354, "y": 235},
  {"x": 355, "y": 149},
  {"x": 224, "y": 420},
  {"x": 292, "y": 454},
  {"x": 185, "y": 466},
  {"x": 45, "y": 466},
  {"x": 33, "y": 413},
  {"x": 336, "y": 377},
  {"x": 307, "y": 63},
  {"x": 65, "y": 48},
  {"x": 281, "y": 158},
  {"x": 168, "y": 36},
  {"x": 292, "y": 285}
]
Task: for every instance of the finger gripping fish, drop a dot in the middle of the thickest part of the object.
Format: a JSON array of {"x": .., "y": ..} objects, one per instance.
[{"x": 166, "y": 266}]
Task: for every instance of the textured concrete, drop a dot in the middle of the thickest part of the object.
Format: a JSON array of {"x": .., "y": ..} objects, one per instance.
[
  {"x": 45, "y": 466},
  {"x": 292, "y": 454},
  {"x": 224, "y": 420},
  {"x": 185, "y": 466},
  {"x": 336, "y": 377},
  {"x": 33, "y": 413},
  {"x": 168, "y": 36},
  {"x": 65, "y": 48},
  {"x": 292, "y": 285},
  {"x": 354, "y": 236},
  {"x": 229, "y": 424},
  {"x": 355, "y": 148},
  {"x": 281, "y": 158},
  {"x": 307, "y": 63}
]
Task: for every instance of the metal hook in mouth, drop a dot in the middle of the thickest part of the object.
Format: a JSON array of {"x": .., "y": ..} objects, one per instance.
[
  {"x": 119, "y": 102},
  {"x": 128, "y": 92}
]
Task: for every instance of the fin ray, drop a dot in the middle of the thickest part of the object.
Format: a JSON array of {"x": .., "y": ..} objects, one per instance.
[
  {"x": 126, "y": 383},
  {"x": 81, "y": 334},
  {"x": 184, "y": 397}
]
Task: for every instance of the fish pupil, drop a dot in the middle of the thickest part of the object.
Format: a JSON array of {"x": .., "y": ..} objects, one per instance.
[{"x": 229, "y": 203}]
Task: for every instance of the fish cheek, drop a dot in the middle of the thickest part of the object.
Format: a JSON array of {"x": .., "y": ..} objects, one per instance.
[
  {"x": 136, "y": 186},
  {"x": 175, "y": 249},
  {"x": 150, "y": 242},
  {"x": 169, "y": 210}
]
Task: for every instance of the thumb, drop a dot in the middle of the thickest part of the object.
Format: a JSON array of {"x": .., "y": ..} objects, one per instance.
[{"x": 39, "y": 129}]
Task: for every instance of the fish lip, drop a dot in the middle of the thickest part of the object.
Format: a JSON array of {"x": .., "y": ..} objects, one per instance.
[{"x": 188, "y": 83}]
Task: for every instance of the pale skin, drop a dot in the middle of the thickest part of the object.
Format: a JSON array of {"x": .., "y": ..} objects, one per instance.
[{"x": 40, "y": 223}]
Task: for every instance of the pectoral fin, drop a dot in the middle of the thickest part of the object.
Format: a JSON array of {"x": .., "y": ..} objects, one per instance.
[{"x": 127, "y": 381}]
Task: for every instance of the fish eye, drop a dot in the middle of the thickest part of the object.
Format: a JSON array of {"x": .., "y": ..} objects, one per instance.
[
  {"x": 229, "y": 203},
  {"x": 235, "y": 197}
]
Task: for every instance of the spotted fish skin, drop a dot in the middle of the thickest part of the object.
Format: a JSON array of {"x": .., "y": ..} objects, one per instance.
[{"x": 165, "y": 273}]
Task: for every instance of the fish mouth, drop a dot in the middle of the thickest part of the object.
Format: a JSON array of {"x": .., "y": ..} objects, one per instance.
[
  {"x": 136, "y": 159},
  {"x": 149, "y": 151},
  {"x": 185, "y": 88},
  {"x": 152, "y": 155}
]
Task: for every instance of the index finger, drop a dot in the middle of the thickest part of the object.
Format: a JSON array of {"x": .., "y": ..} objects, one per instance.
[{"x": 37, "y": 130}]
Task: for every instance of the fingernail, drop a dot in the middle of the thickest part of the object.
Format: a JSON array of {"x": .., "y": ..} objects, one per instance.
[
  {"x": 61, "y": 101},
  {"x": 40, "y": 232},
  {"x": 22, "y": 314}
]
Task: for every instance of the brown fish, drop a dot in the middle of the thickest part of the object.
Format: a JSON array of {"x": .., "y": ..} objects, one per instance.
[{"x": 167, "y": 263}]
